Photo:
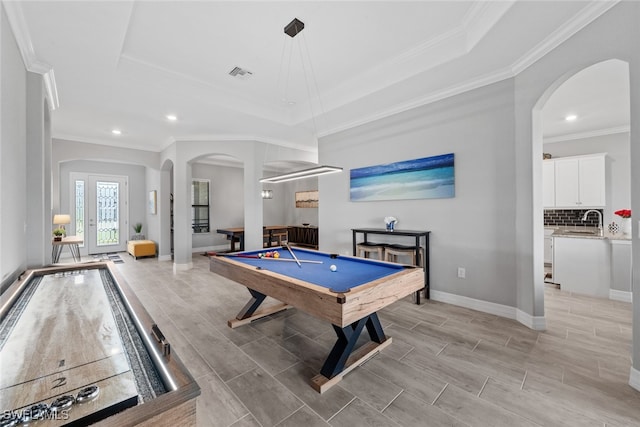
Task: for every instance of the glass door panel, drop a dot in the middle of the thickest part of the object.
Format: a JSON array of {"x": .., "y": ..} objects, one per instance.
[{"x": 106, "y": 202}]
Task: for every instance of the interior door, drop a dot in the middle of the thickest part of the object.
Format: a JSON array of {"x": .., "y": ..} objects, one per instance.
[{"x": 107, "y": 213}]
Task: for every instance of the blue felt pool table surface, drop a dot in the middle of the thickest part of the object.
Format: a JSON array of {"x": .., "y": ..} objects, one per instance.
[{"x": 351, "y": 272}]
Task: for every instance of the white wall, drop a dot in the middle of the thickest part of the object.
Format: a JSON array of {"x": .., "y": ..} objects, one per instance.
[
  {"x": 618, "y": 188},
  {"x": 226, "y": 204},
  {"x": 475, "y": 229},
  {"x": 38, "y": 179},
  {"x": 13, "y": 188},
  {"x": 298, "y": 216}
]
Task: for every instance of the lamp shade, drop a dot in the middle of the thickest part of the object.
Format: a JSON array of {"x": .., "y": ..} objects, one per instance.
[{"x": 62, "y": 219}]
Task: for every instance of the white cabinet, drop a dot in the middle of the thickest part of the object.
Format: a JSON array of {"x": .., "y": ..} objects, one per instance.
[
  {"x": 548, "y": 184},
  {"x": 582, "y": 265},
  {"x": 548, "y": 246},
  {"x": 591, "y": 179},
  {"x": 580, "y": 182}
]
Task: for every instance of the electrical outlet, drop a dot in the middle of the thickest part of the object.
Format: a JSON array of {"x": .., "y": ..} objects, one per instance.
[{"x": 462, "y": 273}]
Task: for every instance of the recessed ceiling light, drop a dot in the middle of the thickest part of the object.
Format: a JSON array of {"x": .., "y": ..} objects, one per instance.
[
  {"x": 116, "y": 132},
  {"x": 171, "y": 117},
  {"x": 571, "y": 117}
]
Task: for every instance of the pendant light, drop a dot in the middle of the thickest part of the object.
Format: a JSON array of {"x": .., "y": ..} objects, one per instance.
[{"x": 293, "y": 29}]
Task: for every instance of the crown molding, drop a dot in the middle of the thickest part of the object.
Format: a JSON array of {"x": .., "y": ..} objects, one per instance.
[
  {"x": 580, "y": 20},
  {"x": 481, "y": 17},
  {"x": 252, "y": 138},
  {"x": 424, "y": 100},
  {"x": 51, "y": 89},
  {"x": 121, "y": 143},
  {"x": 585, "y": 135},
  {"x": 587, "y": 15},
  {"x": 25, "y": 45}
]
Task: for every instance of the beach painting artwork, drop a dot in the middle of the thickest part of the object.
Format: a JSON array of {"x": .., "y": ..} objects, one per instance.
[{"x": 426, "y": 178}]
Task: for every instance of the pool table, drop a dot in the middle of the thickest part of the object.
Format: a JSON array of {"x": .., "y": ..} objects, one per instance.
[{"x": 348, "y": 297}]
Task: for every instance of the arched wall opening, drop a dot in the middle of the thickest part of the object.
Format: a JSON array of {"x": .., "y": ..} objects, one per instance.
[
  {"x": 592, "y": 142},
  {"x": 165, "y": 208}
]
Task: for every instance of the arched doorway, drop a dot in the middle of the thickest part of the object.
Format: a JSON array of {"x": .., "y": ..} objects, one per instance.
[{"x": 599, "y": 96}]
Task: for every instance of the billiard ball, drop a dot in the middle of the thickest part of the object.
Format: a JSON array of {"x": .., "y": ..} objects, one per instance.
[{"x": 333, "y": 268}]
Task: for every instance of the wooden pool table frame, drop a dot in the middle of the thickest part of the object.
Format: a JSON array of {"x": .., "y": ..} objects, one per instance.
[{"x": 348, "y": 312}]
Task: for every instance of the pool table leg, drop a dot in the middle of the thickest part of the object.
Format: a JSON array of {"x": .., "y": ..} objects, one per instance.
[
  {"x": 252, "y": 305},
  {"x": 347, "y": 338},
  {"x": 250, "y": 311}
]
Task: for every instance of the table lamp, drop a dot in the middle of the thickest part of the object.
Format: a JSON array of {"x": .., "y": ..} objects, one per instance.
[{"x": 61, "y": 219}]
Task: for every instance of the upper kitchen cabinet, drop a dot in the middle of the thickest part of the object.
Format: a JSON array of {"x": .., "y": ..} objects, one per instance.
[
  {"x": 579, "y": 182},
  {"x": 548, "y": 184}
]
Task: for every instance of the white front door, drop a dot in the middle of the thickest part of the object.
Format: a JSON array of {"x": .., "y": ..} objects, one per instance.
[
  {"x": 107, "y": 214},
  {"x": 99, "y": 212}
]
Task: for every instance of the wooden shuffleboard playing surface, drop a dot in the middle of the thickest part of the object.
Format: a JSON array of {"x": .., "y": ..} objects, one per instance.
[{"x": 62, "y": 340}]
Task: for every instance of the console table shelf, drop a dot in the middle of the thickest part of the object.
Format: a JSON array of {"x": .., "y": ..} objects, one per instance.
[{"x": 418, "y": 235}]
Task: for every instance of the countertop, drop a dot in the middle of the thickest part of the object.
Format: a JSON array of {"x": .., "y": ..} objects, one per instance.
[{"x": 562, "y": 231}]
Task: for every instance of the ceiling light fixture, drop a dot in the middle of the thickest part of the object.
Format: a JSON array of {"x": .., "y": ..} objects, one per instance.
[
  {"x": 292, "y": 29},
  {"x": 171, "y": 117},
  {"x": 116, "y": 132},
  {"x": 571, "y": 117}
]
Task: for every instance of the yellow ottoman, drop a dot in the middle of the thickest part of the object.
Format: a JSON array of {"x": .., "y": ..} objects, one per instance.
[{"x": 138, "y": 248}]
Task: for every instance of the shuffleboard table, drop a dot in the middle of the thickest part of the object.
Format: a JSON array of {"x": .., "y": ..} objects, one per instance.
[
  {"x": 78, "y": 348},
  {"x": 348, "y": 297}
]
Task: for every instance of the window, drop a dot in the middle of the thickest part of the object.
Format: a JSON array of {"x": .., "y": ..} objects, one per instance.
[
  {"x": 79, "y": 210},
  {"x": 200, "y": 205}
]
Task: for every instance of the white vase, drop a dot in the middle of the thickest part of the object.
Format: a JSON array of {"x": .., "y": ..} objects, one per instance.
[{"x": 625, "y": 226}]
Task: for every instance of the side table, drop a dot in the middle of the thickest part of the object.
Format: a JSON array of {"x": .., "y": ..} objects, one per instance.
[{"x": 73, "y": 242}]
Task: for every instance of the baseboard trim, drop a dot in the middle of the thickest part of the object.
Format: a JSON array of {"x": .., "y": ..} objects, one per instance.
[
  {"x": 475, "y": 304},
  {"x": 537, "y": 323},
  {"x": 164, "y": 257},
  {"x": 623, "y": 296},
  {"x": 182, "y": 267},
  {"x": 634, "y": 378},
  {"x": 210, "y": 248}
]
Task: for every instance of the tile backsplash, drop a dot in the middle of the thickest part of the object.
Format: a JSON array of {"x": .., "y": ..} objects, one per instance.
[{"x": 569, "y": 217}]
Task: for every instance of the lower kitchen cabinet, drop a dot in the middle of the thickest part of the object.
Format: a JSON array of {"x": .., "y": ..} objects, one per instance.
[{"x": 582, "y": 265}]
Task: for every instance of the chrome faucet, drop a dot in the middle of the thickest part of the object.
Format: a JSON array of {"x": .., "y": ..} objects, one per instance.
[{"x": 584, "y": 218}]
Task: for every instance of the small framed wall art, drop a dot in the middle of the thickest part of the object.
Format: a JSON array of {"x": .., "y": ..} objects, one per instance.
[{"x": 307, "y": 199}]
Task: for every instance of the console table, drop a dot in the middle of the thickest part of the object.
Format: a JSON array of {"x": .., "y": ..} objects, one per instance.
[
  {"x": 73, "y": 242},
  {"x": 272, "y": 233},
  {"x": 416, "y": 234},
  {"x": 304, "y": 236}
]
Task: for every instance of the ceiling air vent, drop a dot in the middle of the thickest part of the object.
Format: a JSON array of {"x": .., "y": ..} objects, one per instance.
[{"x": 240, "y": 72}]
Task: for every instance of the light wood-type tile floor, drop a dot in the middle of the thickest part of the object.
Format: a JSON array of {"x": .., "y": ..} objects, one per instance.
[{"x": 446, "y": 366}]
